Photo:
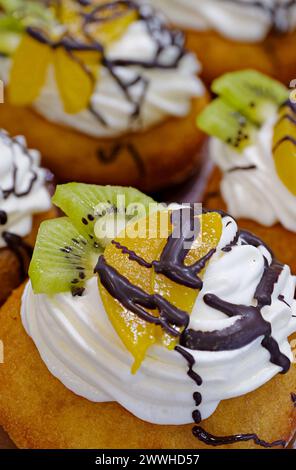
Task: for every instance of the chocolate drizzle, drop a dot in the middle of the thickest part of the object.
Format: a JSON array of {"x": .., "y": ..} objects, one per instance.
[
  {"x": 172, "y": 260},
  {"x": 132, "y": 255},
  {"x": 241, "y": 168},
  {"x": 293, "y": 398},
  {"x": 133, "y": 88},
  {"x": 115, "y": 151},
  {"x": 248, "y": 326},
  {"x": 286, "y": 117},
  {"x": 21, "y": 249},
  {"x": 215, "y": 441},
  {"x": 137, "y": 301}
]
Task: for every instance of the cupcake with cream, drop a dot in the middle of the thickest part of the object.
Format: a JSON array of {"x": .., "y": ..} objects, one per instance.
[
  {"x": 173, "y": 330},
  {"x": 111, "y": 84},
  {"x": 252, "y": 125},
  {"x": 24, "y": 203},
  {"x": 230, "y": 34}
]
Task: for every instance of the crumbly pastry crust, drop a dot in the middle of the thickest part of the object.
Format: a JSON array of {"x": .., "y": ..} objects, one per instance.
[
  {"x": 280, "y": 240},
  {"x": 39, "y": 412},
  {"x": 10, "y": 276},
  {"x": 160, "y": 157},
  {"x": 274, "y": 56}
]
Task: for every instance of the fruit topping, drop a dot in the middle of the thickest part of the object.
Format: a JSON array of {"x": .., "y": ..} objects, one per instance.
[
  {"x": 74, "y": 45},
  {"x": 246, "y": 99},
  {"x": 251, "y": 93},
  {"x": 92, "y": 208},
  {"x": 221, "y": 120},
  {"x": 284, "y": 147},
  {"x": 63, "y": 259},
  {"x": 67, "y": 248}
]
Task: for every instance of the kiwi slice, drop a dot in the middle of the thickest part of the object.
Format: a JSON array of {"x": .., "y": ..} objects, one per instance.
[
  {"x": 67, "y": 248},
  {"x": 252, "y": 93},
  {"x": 63, "y": 258},
  {"x": 97, "y": 210},
  {"x": 221, "y": 120}
]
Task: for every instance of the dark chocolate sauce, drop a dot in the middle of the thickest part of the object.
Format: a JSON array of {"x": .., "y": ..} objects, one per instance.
[
  {"x": 137, "y": 301},
  {"x": 132, "y": 255},
  {"x": 172, "y": 260},
  {"x": 163, "y": 37},
  {"x": 3, "y": 218},
  {"x": 286, "y": 138},
  {"x": 190, "y": 361},
  {"x": 115, "y": 151},
  {"x": 282, "y": 299},
  {"x": 233, "y": 243},
  {"x": 21, "y": 249},
  {"x": 242, "y": 168},
  {"x": 266, "y": 285},
  {"x": 215, "y": 441},
  {"x": 249, "y": 325}
]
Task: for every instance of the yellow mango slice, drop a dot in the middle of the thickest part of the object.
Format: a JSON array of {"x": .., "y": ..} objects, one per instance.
[
  {"x": 28, "y": 72},
  {"x": 284, "y": 148},
  {"x": 75, "y": 77},
  {"x": 137, "y": 335},
  {"x": 181, "y": 296},
  {"x": 108, "y": 31}
]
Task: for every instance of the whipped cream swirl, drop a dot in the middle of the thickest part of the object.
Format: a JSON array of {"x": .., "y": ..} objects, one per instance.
[
  {"x": 22, "y": 187},
  {"x": 80, "y": 347},
  {"x": 148, "y": 78},
  {"x": 250, "y": 185},
  {"x": 241, "y": 20}
]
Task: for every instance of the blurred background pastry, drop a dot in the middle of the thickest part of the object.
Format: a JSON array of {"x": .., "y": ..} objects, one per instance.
[
  {"x": 107, "y": 93},
  {"x": 228, "y": 35},
  {"x": 24, "y": 203},
  {"x": 253, "y": 144}
]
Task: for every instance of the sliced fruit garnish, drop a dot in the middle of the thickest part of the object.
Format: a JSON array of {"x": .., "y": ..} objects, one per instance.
[
  {"x": 284, "y": 148},
  {"x": 63, "y": 258},
  {"x": 250, "y": 92},
  {"x": 92, "y": 208},
  {"x": 221, "y": 120},
  {"x": 179, "y": 295},
  {"x": 28, "y": 71},
  {"x": 109, "y": 30},
  {"x": 75, "y": 77},
  {"x": 136, "y": 334}
]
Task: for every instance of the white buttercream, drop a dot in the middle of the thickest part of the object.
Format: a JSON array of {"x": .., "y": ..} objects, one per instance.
[
  {"x": 80, "y": 347},
  {"x": 18, "y": 167},
  {"x": 257, "y": 194},
  {"x": 169, "y": 91},
  {"x": 239, "y": 20}
]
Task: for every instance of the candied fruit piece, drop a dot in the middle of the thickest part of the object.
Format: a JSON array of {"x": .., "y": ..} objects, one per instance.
[
  {"x": 28, "y": 71},
  {"x": 75, "y": 76},
  {"x": 181, "y": 296},
  {"x": 109, "y": 31},
  {"x": 284, "y": 148},
  {"x": 136, "y": 334}
]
